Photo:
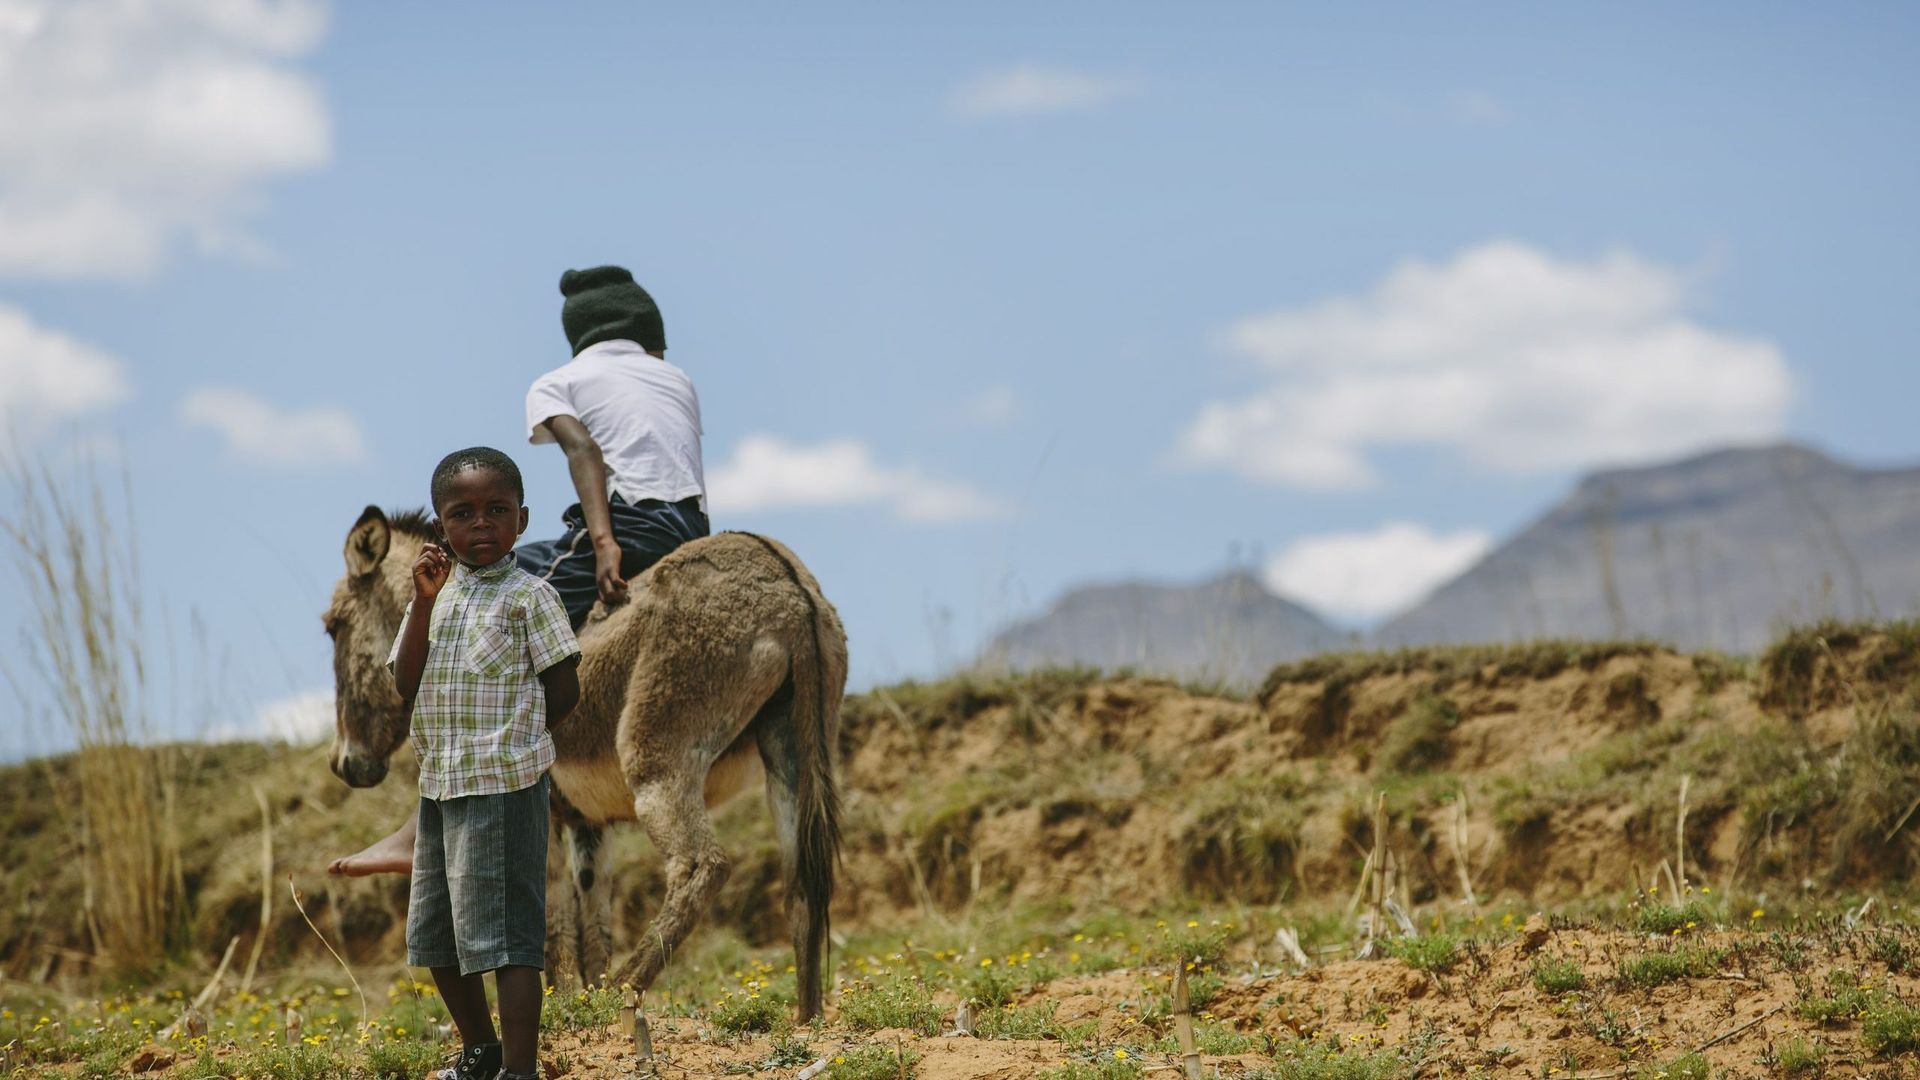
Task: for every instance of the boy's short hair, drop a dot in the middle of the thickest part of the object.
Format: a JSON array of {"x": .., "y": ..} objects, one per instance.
[{"x": 476, "y": 457}]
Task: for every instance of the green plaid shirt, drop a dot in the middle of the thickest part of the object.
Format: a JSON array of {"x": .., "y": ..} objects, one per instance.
[{"x": 480, "y": 717}]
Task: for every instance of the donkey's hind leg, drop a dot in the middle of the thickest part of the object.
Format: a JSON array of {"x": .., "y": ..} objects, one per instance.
[
  {"x": 674, "y": 812},
  {"x": 563, "y": 911},
  {"x": 593, "y": 889}
]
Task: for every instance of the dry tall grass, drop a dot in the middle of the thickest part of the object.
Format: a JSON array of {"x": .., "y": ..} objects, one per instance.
[{"x": 80, "y": 570}]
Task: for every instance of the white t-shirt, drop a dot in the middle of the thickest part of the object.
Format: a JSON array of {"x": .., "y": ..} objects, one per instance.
[{"x": 641, "y": 410}]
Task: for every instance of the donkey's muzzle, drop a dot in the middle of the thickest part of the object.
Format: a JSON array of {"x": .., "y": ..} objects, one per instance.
[{"x": 360, "y": 772}]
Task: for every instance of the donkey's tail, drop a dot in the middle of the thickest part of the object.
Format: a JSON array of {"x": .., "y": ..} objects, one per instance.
[{"x": 815, "y": 713}]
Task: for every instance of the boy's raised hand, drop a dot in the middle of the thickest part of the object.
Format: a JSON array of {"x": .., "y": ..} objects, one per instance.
[{"x": 430, "y": 571}]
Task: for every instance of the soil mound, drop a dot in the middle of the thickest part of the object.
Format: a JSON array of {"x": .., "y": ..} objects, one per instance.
[{"x": 1550, "y": 771}]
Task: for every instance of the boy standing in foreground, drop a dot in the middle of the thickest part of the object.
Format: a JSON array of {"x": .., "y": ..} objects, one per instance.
[
  {"x": 485, "y": 662},
  {"x": 629, "y": 423}
]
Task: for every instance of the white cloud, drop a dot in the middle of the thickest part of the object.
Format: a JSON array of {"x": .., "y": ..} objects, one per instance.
[
  {"x": 1474, "y": 108},
  {"x": 302, "y": 718},
  {"x": 1364, "y": 576},
  {"x": 767, "y": 473},
  {"x": 1031, "y": 88},
  {"x": 1517, "y": 361},
  {"x": 996, "y": 407},
  {"x": 260, "y": 433},
  {"x": 133, "y": 127},
  {"x": 47, "y": 377}
]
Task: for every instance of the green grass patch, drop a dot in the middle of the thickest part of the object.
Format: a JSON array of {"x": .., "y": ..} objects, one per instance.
[
  {"x": 1315, "y": 1061},
  {"x": 1427, "y": 952},
  {"x": 1192, "y": 942},
  {"x": 1117, "y": 1064},
  {"x": 873, "y": 1063},
  {"x": 403, "y": 1059},
  {"x": 1558, "y": 975},
  {"x": 1418, "y": 739},
  {"x": 737, "y": 1013},
  {"x": 279, "y": 1062},
  {"x": 1032, "y": 1022},
  {"x": 1890, "y": 1027},
  {"x": 1647, "y": 970},
  {"x": 1657, "y": 918},
  {"x": 1844, "y": 1000},
  {"x": 1684, "y": 1067},
  {"x": 1800, "y": 1058},
  {"x": 579, "y": 1010},
  {"x": 1209, "y": 1039},
  {"x": 902, "y": 1003}
]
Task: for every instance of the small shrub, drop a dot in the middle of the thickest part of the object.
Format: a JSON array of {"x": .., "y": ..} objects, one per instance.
[
  {"x": 1845, "y": 1000},
  {"x": 1031, "y": 1022},
  {"x": 992, "y": 986},
  {"x": 905, "y": 1003},
  {"x": 1890, "y": 1027},
  {"x": 1417, "y": 740},
  {"x": 1893, "y": 950},
  {"x": 580, "y": 1010},
  {"x": 737, "y": 1013},
  {"x": 1800, "y": 1058},
  {"x": 1193, "y": 943},
  {"x": 1427, "y": 952},
  {"x": 1658, "y": 918},
  {"x": 873, "y": 1063},
  {"x": 1209, "y": 1039},
  {"x": 1789, "y": 951},
  {"x": 100, "y": 1065},
  {"x": 1558, "y": 975},
  {"x": 1314, "y": 1061},
  {"x": 787, "y": 1053},
  {"x": 1648, "y": 970},
  {"x": 1111, "y": 1065}
]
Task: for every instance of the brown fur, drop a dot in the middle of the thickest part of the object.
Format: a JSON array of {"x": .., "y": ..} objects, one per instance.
[{"x": 727, "y": 646}]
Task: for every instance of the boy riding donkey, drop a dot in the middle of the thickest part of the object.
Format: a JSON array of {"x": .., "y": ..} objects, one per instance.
[{"x": 629, "y": 423}]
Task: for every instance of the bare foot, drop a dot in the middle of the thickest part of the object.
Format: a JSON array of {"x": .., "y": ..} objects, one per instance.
[{"x": 392, "y": 854}]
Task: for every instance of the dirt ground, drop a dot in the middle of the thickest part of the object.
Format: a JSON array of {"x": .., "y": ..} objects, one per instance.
[{"x": 1485, "y": 1015}]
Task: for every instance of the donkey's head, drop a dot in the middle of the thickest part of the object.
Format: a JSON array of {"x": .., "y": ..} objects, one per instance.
[{"x": 369, "y": 724}]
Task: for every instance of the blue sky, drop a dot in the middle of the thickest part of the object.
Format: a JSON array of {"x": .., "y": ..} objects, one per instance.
[{"x": 982, "y": 302}]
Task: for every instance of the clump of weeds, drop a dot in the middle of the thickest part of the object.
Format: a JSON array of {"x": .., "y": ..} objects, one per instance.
[
  {"x": 873, "y": 1063},
  {"x": 1427, "y": 952},
  {"x": 1558, "y": 975},
  {"x": 1644, "y": 971}
]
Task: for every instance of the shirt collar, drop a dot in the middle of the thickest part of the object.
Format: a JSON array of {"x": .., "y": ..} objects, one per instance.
[
  {"x": 613, "y": 347},
  {"x": 494, "y": 571}
]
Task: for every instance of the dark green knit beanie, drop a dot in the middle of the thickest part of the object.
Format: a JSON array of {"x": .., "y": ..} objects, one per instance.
[{"x": 603, "y": 304}]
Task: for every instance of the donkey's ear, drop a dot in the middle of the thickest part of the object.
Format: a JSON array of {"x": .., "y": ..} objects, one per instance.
[{"x": 367, "y": 542}]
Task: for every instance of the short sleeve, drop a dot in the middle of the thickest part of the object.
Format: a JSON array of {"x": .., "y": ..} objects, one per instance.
[
  {"x": 547, "y": 398},
  {"x": 549, "y": 634},
  {"x": 393, "y": 654}
]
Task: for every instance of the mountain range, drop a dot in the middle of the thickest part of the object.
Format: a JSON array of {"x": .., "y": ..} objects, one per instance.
[
  {"x": 1230, "y": 629},
  {"x": 1720, "y": 550}
]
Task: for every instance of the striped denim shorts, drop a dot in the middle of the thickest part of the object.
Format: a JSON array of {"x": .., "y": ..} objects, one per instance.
[{"x": 479, "y": 896}]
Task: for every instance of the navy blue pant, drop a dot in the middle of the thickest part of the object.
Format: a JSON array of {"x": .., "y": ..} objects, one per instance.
[{"x": 646, "y": 531}]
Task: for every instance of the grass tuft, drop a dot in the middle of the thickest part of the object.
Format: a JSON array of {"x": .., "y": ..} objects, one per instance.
[
  {"x": 1427, "y": 952},
  {"x": 1558, "y": 975},
  {"x": 902, "y": 1003},
  {"x": 873, "y": 1063},
  {"x": 1647, "y": 970},
  {"x": 1890, "y": 1027}
]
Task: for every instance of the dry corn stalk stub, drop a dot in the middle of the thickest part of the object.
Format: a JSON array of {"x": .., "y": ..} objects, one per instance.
[{"x": 1183, "y": 1020}]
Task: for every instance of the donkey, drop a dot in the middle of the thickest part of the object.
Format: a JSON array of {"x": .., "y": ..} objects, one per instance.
[{"x": 726, "y": 660}]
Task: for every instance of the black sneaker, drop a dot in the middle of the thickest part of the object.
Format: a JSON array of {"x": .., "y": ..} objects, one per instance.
[{"x": 474, "y": 1063}]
